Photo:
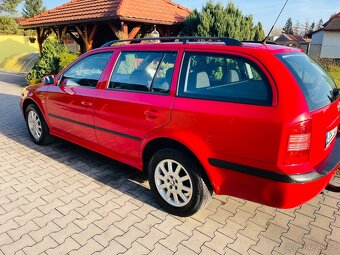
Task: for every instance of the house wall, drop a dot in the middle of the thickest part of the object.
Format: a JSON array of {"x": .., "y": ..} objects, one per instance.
[
  {"x": 317, "y": 38},
  {"x": 331, "y": 45},
  {"x": 12, "y": 45},
  {"x": 316, "y": 44}
]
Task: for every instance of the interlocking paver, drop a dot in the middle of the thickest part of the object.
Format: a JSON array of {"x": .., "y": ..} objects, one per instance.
[
  {"x": 295, "y": 233},
  {"x": 43, "y": 220},
  {"x": 311, "y": 247},
  {"x": 253, "y": 231},
  {"x": 181, "y": 249},
  {"x": 333, "y": 248},
  {"x": 17, "y": 233},
  {"x": 130, "y": 237},
  {"x": 50, "y": 228},
  {"x": 160, "y": 249},
  {"x": 207, "y": 251},
  {"x": 302, "y": 221},
  {"x": 168, "y": 224},
  {"x": 335, "y": 234},
  {"x": 219, "y": 243},
  {"x": 319, "y": 235},
  {"x": 231, "y": 229},
  {"x": 23, "y": 242},
  {"x": 209, "y": 228},
  {"x": 265, "y": 245},
  {"x": 196, "y": 241},
  {"x": 112, "y": 249},
  {"x": 5, "y": 239},
  {"x": 146, "y": 224},
  {"x": 174, "y": 239},
  {"x": 63, "y": 199},
  {"x": 281, "y": 219},
  {"x": 149, "y": 241},
  {"x": 242, "y": 244},
  {"x": 107, "y": 236},
  {"x": 89, "y": 248},
  {"x": 41, "y": 247}
]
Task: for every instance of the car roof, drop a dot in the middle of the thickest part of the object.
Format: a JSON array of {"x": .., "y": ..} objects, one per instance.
[{"x": 172, "y": 46}]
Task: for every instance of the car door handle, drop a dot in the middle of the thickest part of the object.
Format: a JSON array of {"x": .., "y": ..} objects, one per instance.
[
  {"x": 152, "y": 114},
  {"x": 87, "y": 103}
]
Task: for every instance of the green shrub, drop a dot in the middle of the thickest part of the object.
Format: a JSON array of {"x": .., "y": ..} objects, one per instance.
[
  {"x": 49, "y": 62},
  {"x": 67, "y": 58}
]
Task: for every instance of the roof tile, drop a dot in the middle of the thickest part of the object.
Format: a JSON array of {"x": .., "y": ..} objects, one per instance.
[{"x": 161, "y": 11}]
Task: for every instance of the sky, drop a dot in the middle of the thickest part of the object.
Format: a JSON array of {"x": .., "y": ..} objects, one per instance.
[{"x": 265, "y": 11}]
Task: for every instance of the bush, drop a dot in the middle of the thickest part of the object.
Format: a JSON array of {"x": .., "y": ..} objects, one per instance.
[
  {"x": 49, "y": 62},
  {"x": 67, "y": 58}
]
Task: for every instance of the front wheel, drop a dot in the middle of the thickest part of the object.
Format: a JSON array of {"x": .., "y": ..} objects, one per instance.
[
  {"x": 175, "y": 180},
  {"x": 37, "y": 126}
]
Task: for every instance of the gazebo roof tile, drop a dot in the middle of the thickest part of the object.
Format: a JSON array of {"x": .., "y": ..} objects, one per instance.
[{"x": 154, "y": 11}]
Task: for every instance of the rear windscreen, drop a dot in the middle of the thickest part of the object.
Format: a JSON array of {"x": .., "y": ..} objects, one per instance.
[{"x": 314, "y": 81}]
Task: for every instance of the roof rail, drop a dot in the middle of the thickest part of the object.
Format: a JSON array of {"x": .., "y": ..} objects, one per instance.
[{"x": 184, "y": 40}]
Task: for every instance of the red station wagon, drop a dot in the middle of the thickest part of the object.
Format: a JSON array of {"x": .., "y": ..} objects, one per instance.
[{"x": 249, "y": 120}]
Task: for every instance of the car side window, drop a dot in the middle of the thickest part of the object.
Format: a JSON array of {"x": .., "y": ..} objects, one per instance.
[
  {"x": 223, "y": 77},
  {"x": 87, "y": 72},
  {"x": 144, "y": 71}
]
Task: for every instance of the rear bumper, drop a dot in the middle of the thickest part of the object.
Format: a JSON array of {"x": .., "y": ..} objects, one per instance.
[{"x": 272, "y": 188}]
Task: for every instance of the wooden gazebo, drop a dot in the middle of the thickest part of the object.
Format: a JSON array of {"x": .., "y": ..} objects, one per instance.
[{"x": 91, "y": 23}]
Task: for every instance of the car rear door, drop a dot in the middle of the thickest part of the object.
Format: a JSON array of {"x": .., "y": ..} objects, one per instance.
[
  {"x": 136, "y": 101},
  {"x": 70, "y": 105},
  {"x": 226, "y": 99}
]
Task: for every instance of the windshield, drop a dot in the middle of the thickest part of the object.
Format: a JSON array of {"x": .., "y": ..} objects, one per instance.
[{"x": 314, "y": 81}]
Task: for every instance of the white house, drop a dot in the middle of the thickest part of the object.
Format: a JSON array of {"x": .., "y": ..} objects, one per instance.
[{"x": 326, "y": 41}]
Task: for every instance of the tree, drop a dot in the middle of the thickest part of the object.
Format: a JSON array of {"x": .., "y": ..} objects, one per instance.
[
  {"x": 288, "y": 28},
  {"x": 297, "y": 28},
  {"x": 259, "y": 33},
  {"x": 33, "y": 8},
  {"x": 215, "y": 20},
  {"x": 8, "y": 25},
  {"x": 319, "y": 25},
  {"x": 311, "y": 28},
  {"x": 9, "y": 6}
]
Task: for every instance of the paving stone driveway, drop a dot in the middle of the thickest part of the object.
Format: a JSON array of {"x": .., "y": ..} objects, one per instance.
[{"x": 62, "y": 199}]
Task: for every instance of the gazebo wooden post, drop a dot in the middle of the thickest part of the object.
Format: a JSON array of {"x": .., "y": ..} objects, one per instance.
[
  {"x": 87, "y": 36},
  {"x": 125, "y": 29},
  {"x": 42, "y": 35},
  {"x": 134, "y": 31}
]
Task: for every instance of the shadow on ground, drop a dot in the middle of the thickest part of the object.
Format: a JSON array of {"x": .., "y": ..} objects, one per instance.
[
  {"x": 17, "y": 79},
  {"x": 104, "y": 170}
]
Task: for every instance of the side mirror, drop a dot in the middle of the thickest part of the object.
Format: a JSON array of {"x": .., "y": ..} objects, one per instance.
[{"x": 49, "y": 80}]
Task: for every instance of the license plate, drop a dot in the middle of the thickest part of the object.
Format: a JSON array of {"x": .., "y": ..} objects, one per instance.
[{"x": 330, "y": 136}]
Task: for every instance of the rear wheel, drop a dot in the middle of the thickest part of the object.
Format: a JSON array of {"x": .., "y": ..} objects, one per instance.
[
  {"x": 175, "y": 180},
  {"x": 37, "y": 126}
]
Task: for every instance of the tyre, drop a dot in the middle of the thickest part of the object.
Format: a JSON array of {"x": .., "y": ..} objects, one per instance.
[
  {"x": 36, "y": 125},
  {"x": 176, "y": 183}
]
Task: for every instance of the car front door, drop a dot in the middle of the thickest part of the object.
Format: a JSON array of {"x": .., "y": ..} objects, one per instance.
[
  {"x": 70, "y": 105},
  {"x": 136, "y": 101}
]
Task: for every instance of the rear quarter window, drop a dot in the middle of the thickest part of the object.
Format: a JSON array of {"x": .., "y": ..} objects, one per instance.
[
  {"x": 226, "y": 78},
  {"x": 315, "y": 83}
]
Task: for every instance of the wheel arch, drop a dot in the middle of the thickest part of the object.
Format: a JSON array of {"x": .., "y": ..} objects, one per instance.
[
  {"x": 29, "y": 101},
  {"x": 160, "y": 143}
]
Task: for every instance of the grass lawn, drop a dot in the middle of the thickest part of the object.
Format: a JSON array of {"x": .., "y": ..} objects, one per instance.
[{"x": 335, "y": 73}]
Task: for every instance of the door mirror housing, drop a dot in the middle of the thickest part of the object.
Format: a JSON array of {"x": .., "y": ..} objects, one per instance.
[{"x": 49, "y": 80}]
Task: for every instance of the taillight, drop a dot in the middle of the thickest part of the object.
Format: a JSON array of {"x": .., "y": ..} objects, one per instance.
[{"x": 299, "y": 139}]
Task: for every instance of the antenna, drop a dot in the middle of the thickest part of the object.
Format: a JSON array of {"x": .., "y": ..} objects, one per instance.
[{"x": 265, "y": 39}]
